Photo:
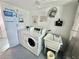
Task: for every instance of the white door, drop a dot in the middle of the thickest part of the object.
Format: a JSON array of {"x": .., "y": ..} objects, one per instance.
[{"x": 11, "y": 28}]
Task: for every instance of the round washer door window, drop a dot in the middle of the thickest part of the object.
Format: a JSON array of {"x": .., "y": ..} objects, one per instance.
[{"x": 31, "y": 42}]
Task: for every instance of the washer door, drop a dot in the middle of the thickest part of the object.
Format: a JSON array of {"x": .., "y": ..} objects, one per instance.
[{"x": 31, "y": 42}]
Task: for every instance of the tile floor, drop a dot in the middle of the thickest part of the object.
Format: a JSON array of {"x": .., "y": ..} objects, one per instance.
[{"x": 20, "y": 52}]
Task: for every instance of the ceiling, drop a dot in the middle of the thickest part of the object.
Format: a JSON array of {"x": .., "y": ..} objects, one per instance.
[
  {"x": 32, "y": 4},
  {"x": 21, "y": 3}
]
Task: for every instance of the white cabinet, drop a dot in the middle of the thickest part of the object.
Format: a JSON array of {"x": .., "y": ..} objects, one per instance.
[{"x": 53, "y": 42}]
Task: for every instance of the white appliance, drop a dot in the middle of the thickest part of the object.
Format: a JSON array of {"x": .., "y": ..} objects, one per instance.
[
  {"x": 32, "y": 40},
  {"x": 75, "y": 28},
  {"x": 11, "y": 24}
]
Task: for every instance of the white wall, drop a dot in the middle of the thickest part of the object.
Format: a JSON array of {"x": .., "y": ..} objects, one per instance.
[
  {"x": 22, "y": 11},
  {"x": 66, "y": 13},
  {"x": 75, "y": 28},
  {"x": 4, "y": 44},
  {"x": 76, "y": 23},
  {"x": 3, "y": 39}
]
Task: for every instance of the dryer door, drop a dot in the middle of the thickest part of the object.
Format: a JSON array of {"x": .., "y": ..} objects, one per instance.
[{"x": 31, "y": 42}]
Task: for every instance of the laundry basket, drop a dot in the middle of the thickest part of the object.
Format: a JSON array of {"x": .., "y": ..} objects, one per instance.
[{"x": 50, "y": 55}]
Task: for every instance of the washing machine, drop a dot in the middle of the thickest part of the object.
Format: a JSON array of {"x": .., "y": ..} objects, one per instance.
[{"x": 31, "y": 41}]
